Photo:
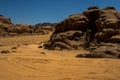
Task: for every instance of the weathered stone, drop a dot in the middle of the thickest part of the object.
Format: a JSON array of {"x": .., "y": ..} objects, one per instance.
[
  {"x": 104, "y": 51},
  {"x": 115, "y": 39},
  {"x": 73, "y": 22},
  {"x": 89, "y": 29}
]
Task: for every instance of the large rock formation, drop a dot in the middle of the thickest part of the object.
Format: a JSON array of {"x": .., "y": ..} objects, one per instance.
[{"x": 87, "y": 30}]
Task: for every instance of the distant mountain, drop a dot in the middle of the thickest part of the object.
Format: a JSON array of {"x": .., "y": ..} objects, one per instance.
[{"x": 45, "y": 24}]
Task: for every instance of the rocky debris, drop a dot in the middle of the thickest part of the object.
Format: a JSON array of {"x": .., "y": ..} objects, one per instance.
[{"x": 88, "y": 30}]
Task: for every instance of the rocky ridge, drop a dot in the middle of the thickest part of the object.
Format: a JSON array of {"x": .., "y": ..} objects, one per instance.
[{"x": 7, "y": 28}]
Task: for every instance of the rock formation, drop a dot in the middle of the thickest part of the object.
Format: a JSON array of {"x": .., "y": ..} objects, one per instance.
[
  {"x": 108, "y": 24},
  {"x": 88, "y": 30},
  {"x": 73, "y": 22},
  {"x": 5, "y": 20},
  {"x": 7, "y": 28},
  {"x": 69, "y": 33},
  {"x": 5, "y": 25}
]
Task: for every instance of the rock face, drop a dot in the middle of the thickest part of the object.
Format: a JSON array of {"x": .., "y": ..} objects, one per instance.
[
  {"x": 68, "y": 34},
  {"x": 89, "y": 29},
  {"x": 5, "y": 25},
  {"x": 73, "y": 22},
  {"x": 66, "y": 40},
  {"x": 108, "y": 24}
]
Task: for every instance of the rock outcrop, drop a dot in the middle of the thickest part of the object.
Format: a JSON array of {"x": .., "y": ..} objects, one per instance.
[
  {"x": 69, "y": 33},
  {"x": 108, "y": 24},
  {"x": 105, "y": 50},
  {"x": 73, "y": 22},
  {"x": 5, "y": 25},
  {"x": 7, "y": 28},
  {"x": 89, "y": 29},
  {"x": 5, "y": 20}
]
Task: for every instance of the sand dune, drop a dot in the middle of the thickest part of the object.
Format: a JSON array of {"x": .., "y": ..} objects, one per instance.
[{"x": 28, "y": 62}]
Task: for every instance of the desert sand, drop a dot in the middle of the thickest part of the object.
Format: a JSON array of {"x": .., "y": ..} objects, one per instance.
[{"x": 28, "y": 62}]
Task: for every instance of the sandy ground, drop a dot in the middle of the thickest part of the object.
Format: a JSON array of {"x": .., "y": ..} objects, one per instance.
[{"x": 28, "y": 62}]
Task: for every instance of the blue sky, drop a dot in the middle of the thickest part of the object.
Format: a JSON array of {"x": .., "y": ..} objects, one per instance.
[{"x": 35, "y": 11}]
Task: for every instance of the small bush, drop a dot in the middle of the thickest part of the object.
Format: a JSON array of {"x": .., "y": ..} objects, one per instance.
[
  {"x": 14, "y": 47},
  {"x": 91, "y": 55},
  {"x": 40, "y": 46},
  {"x": 43, "y": 53},
  {"x": 5, "y": 51}
]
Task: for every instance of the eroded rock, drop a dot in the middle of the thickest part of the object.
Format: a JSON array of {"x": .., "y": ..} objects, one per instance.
[{"x": 90, "y": 28}]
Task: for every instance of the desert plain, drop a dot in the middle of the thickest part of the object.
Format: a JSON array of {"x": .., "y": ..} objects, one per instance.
[{"x": 25, "y": 60}]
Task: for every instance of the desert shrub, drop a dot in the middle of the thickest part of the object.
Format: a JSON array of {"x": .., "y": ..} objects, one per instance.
[
  {"x": 43, "y": 53},
  {"x": 14, "y": 47},
  {"x": 91, "y": 55},
  {"x": 5, "y": 51},
  {"x": 40, "y": 46}
]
